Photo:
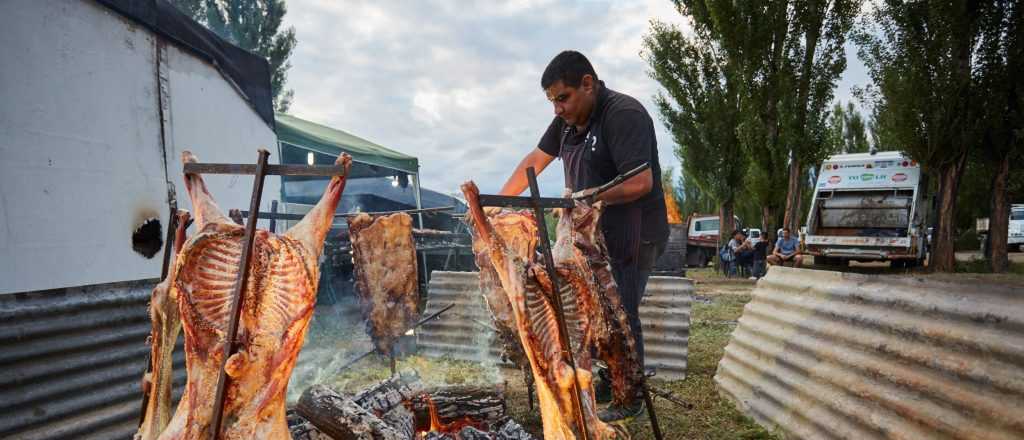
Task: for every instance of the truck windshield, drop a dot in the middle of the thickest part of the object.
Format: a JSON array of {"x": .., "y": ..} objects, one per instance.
[
  {"x": 706, "y": 225},
  {"x": 1017, "y": 215}
]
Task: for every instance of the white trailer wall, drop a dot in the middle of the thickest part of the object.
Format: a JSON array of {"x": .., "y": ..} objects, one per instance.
[{"x": 82, "y": 161}]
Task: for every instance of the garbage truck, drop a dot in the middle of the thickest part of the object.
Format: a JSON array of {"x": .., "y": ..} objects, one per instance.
[{"x": 868, "y": 207}]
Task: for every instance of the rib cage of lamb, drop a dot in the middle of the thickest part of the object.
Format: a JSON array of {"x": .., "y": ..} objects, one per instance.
[
  {"x": 276, "y": 307},
  {"x": 530, "y": 294}
]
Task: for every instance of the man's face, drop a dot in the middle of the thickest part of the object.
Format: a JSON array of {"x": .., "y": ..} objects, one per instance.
[
  {"x": 572, "y": 104},
  {"x": 785, "y": 234}
]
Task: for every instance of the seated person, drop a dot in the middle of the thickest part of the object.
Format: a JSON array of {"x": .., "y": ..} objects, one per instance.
[
  {"x": 787, "y": 251},
  {"x": 742, "y": 249},
  {"x": 760, "y": 256}
]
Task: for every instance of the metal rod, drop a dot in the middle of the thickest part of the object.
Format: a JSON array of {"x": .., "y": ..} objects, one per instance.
[
  {"x": 516, "y": 201},
  {"x": 269, "y": 170},
  {"x": 655, "y": 426},
  {"x": 285, "y": 216},
  {"x": 172, "y": 226},
  {"x": 239, "y": 290},
  {"x": 549, "y": 263},
  {"x": 622, "y": 178},
  {"x": 417, "y": 324},
  {"x": 391, "y": 361},
  {"x": 273, "y": 221}
]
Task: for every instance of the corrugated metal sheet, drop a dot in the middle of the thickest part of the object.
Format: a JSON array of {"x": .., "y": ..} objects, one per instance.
[
  {"x": 665, "y": 317},
  {"x": 822, "y": 354},
  {"x": 73, "y": 361},
  {"x": 461, "y": 333}
]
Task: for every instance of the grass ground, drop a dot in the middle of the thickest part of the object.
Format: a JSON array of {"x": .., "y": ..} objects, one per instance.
[{"x": 716, "y": 308}]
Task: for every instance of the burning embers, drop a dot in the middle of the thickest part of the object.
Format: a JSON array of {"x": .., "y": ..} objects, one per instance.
[{"x": 401, "y": 408}]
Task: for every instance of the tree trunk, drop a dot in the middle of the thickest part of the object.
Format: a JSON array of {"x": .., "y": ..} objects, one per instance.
[
  {"x": 476, "y": 405},
  {"x": 999, "y": 219},
  {"x": 767, "y": 222},
  {"x": 943, "y": 258},
  {"x": 792, "y": 218}
]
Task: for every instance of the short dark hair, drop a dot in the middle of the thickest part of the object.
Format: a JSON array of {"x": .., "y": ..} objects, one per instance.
[
  {"x": 786, "y": 230},
  {"x": 569, "y": 67}
]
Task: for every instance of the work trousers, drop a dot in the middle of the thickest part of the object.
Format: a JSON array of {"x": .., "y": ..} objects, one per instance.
[{"x": 631, "y": 278}]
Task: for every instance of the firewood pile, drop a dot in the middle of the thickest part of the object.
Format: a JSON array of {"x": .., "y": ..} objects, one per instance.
[{"x": 403, "y": 408}]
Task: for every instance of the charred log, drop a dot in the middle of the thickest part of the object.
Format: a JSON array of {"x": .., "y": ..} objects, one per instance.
[
  {"x": 511, "y": 430},
  {"x": 481, "y": 407},
  {"x": 342, "y": 418},
  {"x": 302, "y": 429},
  {"x": 384, "y": 396}
]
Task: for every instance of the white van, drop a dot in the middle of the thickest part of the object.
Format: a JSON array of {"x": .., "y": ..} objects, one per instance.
[{"x": 867, "y": 207}]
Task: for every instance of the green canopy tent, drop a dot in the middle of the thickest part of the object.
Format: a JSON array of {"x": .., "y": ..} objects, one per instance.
[{"x": 304, "y": 142}]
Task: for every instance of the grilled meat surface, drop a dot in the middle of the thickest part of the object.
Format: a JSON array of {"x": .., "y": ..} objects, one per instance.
[
  {"x": 531, "y": 297},
  {"x": 581, "y": 259},
  {"x": 384, "y": 256},
  {"x": 518, "y": 230},
  {"x": 276, "y": 307}
]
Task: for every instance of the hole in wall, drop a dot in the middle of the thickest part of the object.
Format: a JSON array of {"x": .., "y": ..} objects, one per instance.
[{"x": 148, "y": 238}]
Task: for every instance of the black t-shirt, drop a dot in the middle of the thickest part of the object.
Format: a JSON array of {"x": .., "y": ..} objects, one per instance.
[{"x": 621, "y": 137}]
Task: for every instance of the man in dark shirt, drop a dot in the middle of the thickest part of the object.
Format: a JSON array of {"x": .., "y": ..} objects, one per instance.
[{"x": 599, "y": 133}]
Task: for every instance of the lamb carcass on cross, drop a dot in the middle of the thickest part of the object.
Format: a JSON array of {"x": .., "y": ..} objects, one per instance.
[
  {"x": 518, "y": 230},
  {"x": 163, "y": 313},
  {"x": 384, "y": 256},
  {"x": 276, "y": 307},
  {"x": 581, "y": 259},
  {"x": 531, "y": 297}
]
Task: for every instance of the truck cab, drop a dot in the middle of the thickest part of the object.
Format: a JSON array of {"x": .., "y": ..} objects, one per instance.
[
  {"x": 702, "y": 238},
  {"x": 867, "y": 207}
]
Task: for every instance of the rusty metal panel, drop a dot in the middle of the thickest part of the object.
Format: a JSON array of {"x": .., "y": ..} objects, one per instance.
[
  {"x": 73, "y": 361},
  {"x": 821, "y": 354},
  {"x": 463, "y": 332}
]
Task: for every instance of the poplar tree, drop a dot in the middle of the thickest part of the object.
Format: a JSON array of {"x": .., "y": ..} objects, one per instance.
[{"x": 921, "y": 56}]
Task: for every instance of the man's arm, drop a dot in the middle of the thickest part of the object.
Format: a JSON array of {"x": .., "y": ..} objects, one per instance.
[{"x": 517, "y": 182}]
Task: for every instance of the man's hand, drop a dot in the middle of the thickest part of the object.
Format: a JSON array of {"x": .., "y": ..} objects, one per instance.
[
  {"x": 491, "y": 210},
  {"x": 585, "y": 196}
]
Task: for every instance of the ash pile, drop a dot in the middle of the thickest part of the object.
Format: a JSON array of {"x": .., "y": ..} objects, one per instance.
[{"x": 404, "y": 408}]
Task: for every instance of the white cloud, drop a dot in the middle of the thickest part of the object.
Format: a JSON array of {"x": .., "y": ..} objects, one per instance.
[{"x": 456, "y": 83}]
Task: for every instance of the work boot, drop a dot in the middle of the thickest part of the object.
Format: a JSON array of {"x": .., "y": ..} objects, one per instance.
[
  {"x": 616, "y": 412},
  {"x": 603, "y": 386}
]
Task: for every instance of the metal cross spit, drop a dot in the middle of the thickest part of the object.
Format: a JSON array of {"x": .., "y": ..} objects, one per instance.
[
  {"x": 538, "y": 203},
  {"x": 260, "y": 170}
]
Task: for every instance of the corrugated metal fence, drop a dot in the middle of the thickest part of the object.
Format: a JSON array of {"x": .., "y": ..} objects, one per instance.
[
  {"x": 72, "y": 361},
  {"x": 822, "y": 354},
  {"x": 463, "y": 333}
]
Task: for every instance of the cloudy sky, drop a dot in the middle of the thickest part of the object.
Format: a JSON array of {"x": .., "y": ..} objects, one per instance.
[{"x": 457, "y": 83}]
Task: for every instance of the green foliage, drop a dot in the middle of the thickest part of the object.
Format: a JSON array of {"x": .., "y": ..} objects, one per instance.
[
  {"x": 253, "y": 25},
  {"x": 847, "y": 130},
  {"x": 700, "y": 107}
]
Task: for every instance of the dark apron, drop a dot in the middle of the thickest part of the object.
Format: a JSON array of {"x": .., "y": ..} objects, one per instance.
[{"x": 620, "y": 224}]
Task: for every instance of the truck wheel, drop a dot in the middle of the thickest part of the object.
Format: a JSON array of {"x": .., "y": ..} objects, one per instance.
[{"x": 702, "y": 258}]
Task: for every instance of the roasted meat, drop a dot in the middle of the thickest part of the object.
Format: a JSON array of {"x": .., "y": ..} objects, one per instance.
[
  {"x": 581, "y": 259},
  {"x": 384, "y": 256},
  {"x": 518, "y": 230},
  {"x": 276, "y": 307},
  {"x": 530, "y": 293},
  {"x": 163, "y": 313}
]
